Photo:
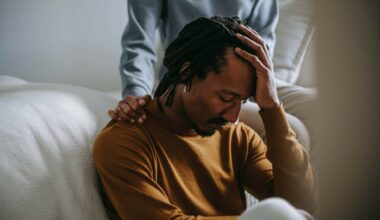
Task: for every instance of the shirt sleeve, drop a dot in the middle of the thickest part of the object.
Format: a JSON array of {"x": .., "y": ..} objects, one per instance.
[
  {"x": 280, "y": 168},
  {"x": 138, "y": 50},
  {"x": 126, "y": 170},
  {"x": 263, "y": 19}
]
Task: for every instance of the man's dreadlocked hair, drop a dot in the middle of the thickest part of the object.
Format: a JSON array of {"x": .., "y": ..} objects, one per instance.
[{"x": 203, "y": 43}]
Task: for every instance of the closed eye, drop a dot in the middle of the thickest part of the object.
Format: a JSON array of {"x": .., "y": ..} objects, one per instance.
[{"x": 224, "y": 99}]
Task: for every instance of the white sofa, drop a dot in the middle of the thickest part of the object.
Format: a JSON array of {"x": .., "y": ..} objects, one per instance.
[{"x": 47, "y": 131}]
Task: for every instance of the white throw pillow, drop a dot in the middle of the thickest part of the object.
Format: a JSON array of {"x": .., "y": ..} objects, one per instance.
[
  {"x": 46, "y": 136},
  {"x": 294, "y": 30}
]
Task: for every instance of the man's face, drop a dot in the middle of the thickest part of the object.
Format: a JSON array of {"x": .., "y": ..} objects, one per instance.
[{"x": 216, "y": 100}]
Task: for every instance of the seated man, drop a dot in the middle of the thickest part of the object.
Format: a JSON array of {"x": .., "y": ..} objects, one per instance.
[{"x": 189, "y": 160}]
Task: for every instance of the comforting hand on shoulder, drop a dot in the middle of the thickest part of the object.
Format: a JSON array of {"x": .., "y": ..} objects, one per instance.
[{"x": 130, "y": 109}]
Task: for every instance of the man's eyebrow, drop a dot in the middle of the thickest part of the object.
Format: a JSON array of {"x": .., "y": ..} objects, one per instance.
[{"x": 231, "y": 93}]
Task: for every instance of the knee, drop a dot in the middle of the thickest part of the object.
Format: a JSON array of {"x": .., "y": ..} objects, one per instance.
[
  {"x": 273, "y": 209},
  {"x": 297, "y": 92},
  {"x": 300, "y": 130},
  {"x": 249, "y": 114}
]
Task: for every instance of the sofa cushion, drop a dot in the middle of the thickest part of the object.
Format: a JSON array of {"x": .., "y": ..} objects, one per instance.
[
  {"x": 293, "y": 33},
  {"x": 46, "y": 136}
]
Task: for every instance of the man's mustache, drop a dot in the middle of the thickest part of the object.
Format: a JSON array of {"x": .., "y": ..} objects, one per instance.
[{"x": 217, "y": 121}]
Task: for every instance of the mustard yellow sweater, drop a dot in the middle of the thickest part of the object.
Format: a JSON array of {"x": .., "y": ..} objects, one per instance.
[{"x": 151, "y": 171}]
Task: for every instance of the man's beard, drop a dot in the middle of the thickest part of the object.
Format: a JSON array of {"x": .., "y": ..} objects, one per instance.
[
  {"x": 204, "y": 133},
  {"x": 207, "y": 133}
]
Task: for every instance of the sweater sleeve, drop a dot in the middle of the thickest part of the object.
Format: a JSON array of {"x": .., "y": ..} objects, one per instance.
[
  {"x": 138, "y": 54},
  {"x": 125, "y": 165},
  {"x": 281, "y": 168}
]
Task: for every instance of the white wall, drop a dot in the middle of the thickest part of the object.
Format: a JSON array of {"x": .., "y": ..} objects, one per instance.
[{"x": 67, "y": 41}]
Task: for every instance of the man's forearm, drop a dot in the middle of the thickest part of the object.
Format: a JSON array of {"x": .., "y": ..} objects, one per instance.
[{"x": 294, "y": 178}]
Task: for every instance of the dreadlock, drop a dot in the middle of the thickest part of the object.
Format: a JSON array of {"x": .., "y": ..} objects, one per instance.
[{"x": 203, "y": 43}]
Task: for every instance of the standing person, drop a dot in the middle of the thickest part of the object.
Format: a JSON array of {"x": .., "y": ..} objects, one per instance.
[{"x": 169, "y": 17}]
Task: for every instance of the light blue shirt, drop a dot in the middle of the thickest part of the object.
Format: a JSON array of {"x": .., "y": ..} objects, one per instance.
[{"x": 170, "y": 16}]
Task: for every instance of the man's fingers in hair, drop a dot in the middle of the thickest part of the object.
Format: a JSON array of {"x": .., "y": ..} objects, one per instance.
[
  {"x": 257, "y": 47},
  {"x": 255, "y": 37},
  {"x": 252, "y": 34},
  {"x": 254, "y": 60}
]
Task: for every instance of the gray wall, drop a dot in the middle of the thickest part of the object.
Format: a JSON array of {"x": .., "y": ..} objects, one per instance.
[{"x": 66, "y": 41}]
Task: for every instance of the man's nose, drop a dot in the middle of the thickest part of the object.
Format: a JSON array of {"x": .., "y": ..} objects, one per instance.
[{"x": 232, "y": 114}]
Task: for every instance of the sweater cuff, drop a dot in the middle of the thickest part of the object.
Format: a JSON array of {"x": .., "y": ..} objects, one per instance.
[
  {"x": 275, "y": 121},
  {"x": 134, "y": 91}
]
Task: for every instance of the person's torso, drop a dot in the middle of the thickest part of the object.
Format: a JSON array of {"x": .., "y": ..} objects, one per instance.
[
  {"x": 176, "y": 14},
  {"x": 199, "y": 174}
]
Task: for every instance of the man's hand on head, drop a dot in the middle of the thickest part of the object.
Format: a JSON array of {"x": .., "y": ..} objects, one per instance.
[
  {"x": 130, "y": 109},
  {"x": 266, "y": 92}
]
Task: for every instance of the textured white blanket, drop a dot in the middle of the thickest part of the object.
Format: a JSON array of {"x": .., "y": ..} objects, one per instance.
[{"x": 46, "y": 136}]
